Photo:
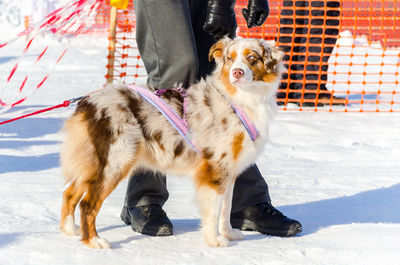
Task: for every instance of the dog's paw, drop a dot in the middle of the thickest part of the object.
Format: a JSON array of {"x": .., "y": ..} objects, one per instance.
[
  {"x": 98, "y": 242},
  {"x": 70, "y": 231},
  {"x": 69, "y": 227},
  {"x": 232, "y": 234},
  {"x": 218, "y": 241},
  {"x": 222, "y": 241}
]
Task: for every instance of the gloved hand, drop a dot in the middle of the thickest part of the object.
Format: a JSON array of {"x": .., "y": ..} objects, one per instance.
[
  {"x": 220, "y": 19},
  {"x": 256, "y": 13}
]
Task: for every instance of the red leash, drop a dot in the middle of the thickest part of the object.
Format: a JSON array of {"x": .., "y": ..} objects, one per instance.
[{"x": 66, "y": 103}]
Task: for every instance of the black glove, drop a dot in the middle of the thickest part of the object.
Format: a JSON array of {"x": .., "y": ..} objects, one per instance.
[
  {"x": 256, "y": 13},
  {"x": 221, "y": 19}
]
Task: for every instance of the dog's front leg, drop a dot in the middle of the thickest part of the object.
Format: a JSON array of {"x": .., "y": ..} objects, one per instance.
[
  {"x": 225, "y": 227},
  {"x": 210, "y": 202}
]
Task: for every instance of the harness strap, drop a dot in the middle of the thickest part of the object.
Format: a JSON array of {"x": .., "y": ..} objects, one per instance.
[
  {"x": 180, "y": 124},
  {"x": 250, "y": 127},
  {"x": 176, "y": 121},
  {"x": 182, "y": 91}
]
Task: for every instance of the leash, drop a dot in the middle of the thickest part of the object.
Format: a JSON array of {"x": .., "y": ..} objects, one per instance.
[{"x": 66, "y": 103}]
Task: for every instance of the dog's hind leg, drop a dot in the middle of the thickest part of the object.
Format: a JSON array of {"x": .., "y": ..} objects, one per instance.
[
  {"x": 71, "y": 196},
  {"x": 78, "y": 164},
  {"x": 90, "y": 205},
  {"x": 225, "y": 227}
]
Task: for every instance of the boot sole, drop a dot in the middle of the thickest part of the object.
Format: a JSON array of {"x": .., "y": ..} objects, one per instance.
[
  {"x": 247, "y": 225},
  {"x": 163, "y": 231}
]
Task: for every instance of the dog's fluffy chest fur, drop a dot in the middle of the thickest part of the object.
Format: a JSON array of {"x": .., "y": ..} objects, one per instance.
[{"x": 217, "y": 128}]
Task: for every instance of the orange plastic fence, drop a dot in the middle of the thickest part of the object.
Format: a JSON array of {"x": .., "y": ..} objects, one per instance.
[{"x": 340, "y": 55}]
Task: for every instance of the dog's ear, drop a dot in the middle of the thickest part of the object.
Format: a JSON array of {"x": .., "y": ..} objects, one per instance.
[
  {"x": 272, "y": 56},
  {"x": 217, "y": 50}
]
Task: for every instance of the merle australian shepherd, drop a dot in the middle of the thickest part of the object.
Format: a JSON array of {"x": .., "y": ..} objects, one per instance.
[{"x": 114, "y": 132}]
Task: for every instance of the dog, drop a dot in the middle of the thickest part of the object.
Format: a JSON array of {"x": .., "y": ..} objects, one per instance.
[{"x": 114, "y": 132}]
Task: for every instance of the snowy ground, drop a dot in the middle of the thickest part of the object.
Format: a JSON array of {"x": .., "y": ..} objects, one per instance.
[{"x": 338, "y": 173}]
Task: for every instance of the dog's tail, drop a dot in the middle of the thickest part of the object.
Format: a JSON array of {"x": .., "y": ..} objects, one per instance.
[{"x": 78, "y": 157}]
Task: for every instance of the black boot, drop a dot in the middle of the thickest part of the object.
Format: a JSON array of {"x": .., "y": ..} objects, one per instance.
[
  {"x": 265, "y": 219},
  {"x": 148, "y": 219}
]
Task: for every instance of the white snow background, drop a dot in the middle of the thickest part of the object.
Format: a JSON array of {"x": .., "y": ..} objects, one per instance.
[{"x": 337, "y": 173}]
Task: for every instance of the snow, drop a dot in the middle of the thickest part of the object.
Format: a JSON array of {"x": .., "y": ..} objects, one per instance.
[
  {"x": 337, "y": 173},
  {"x": 369, "y": 63}
]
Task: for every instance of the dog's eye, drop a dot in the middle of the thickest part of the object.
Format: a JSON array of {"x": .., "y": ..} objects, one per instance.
[
  {"x": 230, "y": 59},
  {"x": 252, "y": 59}
]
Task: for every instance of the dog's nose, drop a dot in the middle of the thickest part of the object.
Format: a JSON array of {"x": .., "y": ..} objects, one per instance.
[{"x": 237, "y": 72}]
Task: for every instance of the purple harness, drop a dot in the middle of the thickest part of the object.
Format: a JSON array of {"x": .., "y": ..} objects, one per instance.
[{"x": 180, "y": 124}]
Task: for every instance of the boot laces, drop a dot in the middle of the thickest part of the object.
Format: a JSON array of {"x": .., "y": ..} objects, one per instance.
[
  {"x": 153, "y": 211},
  {"x": 268, "y": 209}
]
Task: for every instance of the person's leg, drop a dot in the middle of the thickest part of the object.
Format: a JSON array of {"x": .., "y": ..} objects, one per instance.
[
  {"x": 166, "y": 44},
  {"x": 146, "y": 187},
  {"x": 204, "y": 40},
  {"x": 250, "y": 189},
  {"x": 145, "y": 195}
]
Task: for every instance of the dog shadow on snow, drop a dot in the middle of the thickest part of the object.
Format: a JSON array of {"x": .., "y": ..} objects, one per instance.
[
  {"x": 181, "y": 226},
  {"x": 373, "y": 206}
]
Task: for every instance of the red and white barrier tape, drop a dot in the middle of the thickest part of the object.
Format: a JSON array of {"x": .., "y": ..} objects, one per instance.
[{"x": 59, "y": 23}]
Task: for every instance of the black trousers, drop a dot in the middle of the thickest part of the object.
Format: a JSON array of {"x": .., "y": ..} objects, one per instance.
[
  {"x": 308, "y": 32},
  {"x": 174, "y": 49}
]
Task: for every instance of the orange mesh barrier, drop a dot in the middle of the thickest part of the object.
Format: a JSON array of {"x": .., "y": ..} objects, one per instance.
[
  {"x": 128, "y": 67},
  {"x": 340, "y": 55}
]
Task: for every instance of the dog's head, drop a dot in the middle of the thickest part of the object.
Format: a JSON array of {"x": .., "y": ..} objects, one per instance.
[{"x": 251, "y": 65}]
